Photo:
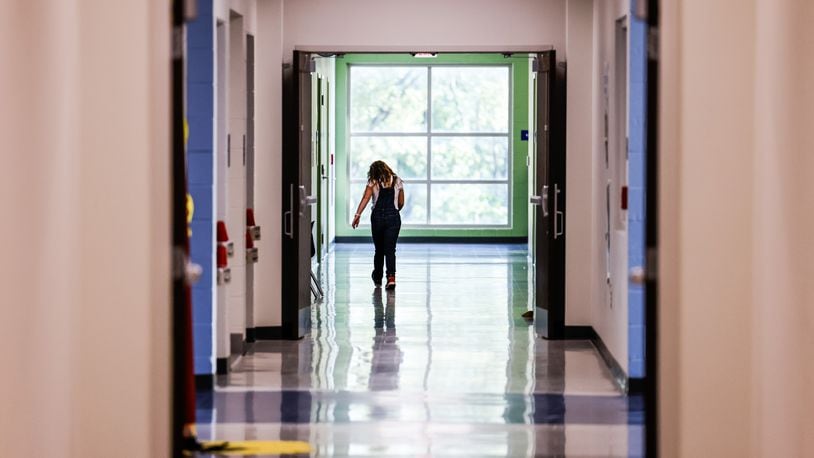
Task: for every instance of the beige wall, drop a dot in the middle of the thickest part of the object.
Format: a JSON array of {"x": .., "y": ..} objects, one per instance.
[
  {"x": 736, "y": 219},
  {"x": 85, "y": 315},
  {"x": 782, "y": 241}
]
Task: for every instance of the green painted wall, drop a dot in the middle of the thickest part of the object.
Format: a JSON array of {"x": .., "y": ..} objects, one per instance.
[{"x": 518, "y": 148}]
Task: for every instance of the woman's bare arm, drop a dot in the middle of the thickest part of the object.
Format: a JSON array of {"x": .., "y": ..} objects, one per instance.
[
  {"x": 401, "y": 198},
  {"x": 365, "y": 199}
]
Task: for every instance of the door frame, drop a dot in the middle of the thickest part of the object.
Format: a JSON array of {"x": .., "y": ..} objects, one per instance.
[
  {"x": 650, "y": 11},
  {"x": 295, "y": 319}
]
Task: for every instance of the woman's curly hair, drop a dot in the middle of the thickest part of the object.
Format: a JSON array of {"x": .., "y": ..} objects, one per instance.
[{"x": 380, "y": 173}]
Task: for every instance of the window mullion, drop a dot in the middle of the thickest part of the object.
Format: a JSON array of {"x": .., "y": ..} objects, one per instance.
[{"x": 429, "y": 144}]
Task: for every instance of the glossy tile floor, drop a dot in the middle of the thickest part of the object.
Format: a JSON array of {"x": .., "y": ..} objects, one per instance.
[{"x": 443, "y": 366}]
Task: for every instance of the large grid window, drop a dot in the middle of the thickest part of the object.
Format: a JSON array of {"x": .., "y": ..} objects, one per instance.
[{"x": 444, "y": 130}]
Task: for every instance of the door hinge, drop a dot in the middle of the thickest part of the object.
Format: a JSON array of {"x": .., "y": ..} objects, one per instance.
[
  {"x": 652, "y": 264},
  {"x": 653, "y": 43},
  {"x": 641, "y": 10},
  {"x": 177, "y": 42},
  {"x": 228, "y": 150},
  {"x": 244, "y": 150}
]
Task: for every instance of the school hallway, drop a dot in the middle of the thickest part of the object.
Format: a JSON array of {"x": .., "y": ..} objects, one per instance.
[
  {"x": 605, "y": 242},
  {"x": 444, "y": 365}
]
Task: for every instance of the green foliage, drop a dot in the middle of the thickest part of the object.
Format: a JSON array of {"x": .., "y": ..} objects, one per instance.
[
  {"x": 407, "y": 156},
  {"x": 470, "y": 99},
  {"x": 470, "y": 158},
  {"x": 475, "y": 204},
  {"x": 388, "y": 99}
]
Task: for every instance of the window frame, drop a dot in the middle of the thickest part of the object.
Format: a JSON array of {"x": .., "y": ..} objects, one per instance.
[{"x": 429, "y": 135}]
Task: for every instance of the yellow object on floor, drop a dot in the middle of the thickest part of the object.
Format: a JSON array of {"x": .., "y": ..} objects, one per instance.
[{"x": 244, "y": 448}]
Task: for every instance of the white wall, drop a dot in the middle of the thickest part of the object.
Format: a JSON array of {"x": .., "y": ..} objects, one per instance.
[
  {"x": 327, "y": 68},
  {"x": 423, "y": 23},
  {"x": 736, "y": 321},
  {"x": 581, "y": 220},
  {"x": 268, "y": 160},
  {"x": 609, "y": 315},
  {"x": 232, "y": 199},
  {"x": 85, "y": 314},
  {"x": 236, "y": 214},
  {"x": 590, "y": 40}
]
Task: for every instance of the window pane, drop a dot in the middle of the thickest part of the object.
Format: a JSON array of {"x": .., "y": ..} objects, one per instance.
[
  {"x": 470, "y": 99},
  {"x": 388, "y": 99},
  {"x": 415, "y": 203},
  {"x": 470, "y": 158},
  {"x": 407, "y": 156},
  {"x": 470, "y": 204}
]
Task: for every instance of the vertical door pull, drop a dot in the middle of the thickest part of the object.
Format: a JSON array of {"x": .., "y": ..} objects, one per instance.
[
  {"x": 288, "y": 220},
  {"x": 559, "y": 217}
]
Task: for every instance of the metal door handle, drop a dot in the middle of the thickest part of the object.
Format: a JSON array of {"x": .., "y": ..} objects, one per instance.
[
  {"x": 288, "y": 220},
  {"x": 559, "y": 217},
  {"x": 305, "y": 199}
]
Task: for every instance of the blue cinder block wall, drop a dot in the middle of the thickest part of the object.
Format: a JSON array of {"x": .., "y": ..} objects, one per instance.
[
  {"x": 637, "y": 125},
  {"x": 201, "y": 178}
]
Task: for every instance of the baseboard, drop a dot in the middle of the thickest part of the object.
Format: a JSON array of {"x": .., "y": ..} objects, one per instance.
[
  {"x": 204, "y": 382},
  {"x": 439, "y": 239},
  {"x": 580, "y": 333},
  {"x": 619, "y": 375},
  {"x": 635, "y": 385},
  {"x": 222, "y": 366},
  {"x": 268, "y": 332},
  {"x": 237, "y": 344}
]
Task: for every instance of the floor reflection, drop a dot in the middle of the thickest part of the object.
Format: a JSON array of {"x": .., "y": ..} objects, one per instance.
[{"x": 457, "y": 373}]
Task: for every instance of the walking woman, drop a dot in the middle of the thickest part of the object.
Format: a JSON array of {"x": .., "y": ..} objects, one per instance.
[{"x": 387, "y": 191}]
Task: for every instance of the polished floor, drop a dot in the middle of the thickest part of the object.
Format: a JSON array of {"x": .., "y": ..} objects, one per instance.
[{"x": 442, "y": 366}]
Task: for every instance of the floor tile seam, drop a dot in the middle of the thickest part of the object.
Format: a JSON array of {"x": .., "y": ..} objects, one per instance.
[
  {"x": 470, "y": 424},
  {"x": 426, "y": 394},
  {"x": 442, "y": 424},
  {"x": 424, "y": 424}
]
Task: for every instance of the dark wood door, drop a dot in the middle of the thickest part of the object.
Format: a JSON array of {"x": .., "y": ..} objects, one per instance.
[
  {"x": 548, "y": 197},
  {"x": 297, "y": 197}
]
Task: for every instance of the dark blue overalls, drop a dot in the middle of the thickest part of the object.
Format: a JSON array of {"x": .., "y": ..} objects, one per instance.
[{"x": 385, "y": 222}]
